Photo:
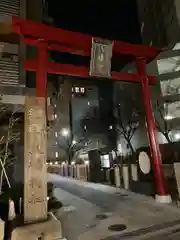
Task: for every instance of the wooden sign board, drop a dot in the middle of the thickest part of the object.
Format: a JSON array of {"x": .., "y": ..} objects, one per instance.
[
  {"x": 35, "y": 170},
  {"x": 101, "y": 54}
]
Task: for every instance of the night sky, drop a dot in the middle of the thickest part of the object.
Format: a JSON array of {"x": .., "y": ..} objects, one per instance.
[{"x": 118, "y": 21}]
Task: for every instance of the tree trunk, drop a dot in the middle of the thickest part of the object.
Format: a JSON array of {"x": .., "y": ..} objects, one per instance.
[
  {"x": 130, "y": 146},
  {"x": 167, "y": 137},
  {"x": 69, "y": 156}
]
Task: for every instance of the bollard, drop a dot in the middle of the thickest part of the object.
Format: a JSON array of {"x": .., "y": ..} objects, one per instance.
[
  {"x": 71, "y": 171},
  {"x": 134, "y": 172},
  {"x": 125, "y": 172},
  {"x": 61, "y": 170},
  {"x": 117, "y": 176},
  {"x": 82, "y": 172},
  {"x": 108, "y": 176},
  {"x": 75, "y": 171},
  {"x": 65, "y": 170}
]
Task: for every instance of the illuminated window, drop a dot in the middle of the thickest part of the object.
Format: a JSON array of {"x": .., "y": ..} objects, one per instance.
[
  {"x": 57, "y": 154},
  {"x": 82, "y": 90},
  {"x": 56, "y": 134},
  {"x": 76, "y": 89}
]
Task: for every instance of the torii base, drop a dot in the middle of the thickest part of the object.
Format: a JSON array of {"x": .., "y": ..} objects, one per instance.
[{"x": 163, "y": 199}]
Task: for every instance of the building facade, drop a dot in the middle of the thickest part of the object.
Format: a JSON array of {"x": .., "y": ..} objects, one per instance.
[
  {"x": 13, "y": 77},
  {"x": 160, "y": 27},
  {"x": 83, "y": 119}
]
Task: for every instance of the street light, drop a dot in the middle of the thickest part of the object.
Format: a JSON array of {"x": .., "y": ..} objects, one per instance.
[
  {"x": 65, "y": 132},
  {"x": 74, "y": 142},
  {"x": 168, "y": 117},
  {"x": 177, "y": 136}
]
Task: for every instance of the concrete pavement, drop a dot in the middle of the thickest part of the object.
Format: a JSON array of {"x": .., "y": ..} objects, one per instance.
[{"x": 91, "y": 208}]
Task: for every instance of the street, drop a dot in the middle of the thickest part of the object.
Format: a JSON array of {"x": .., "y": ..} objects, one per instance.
[{"x": 91, "y": 209}]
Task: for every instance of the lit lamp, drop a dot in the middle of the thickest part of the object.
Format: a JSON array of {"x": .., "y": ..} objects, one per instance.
[
  {"x": 168, "y": 117},
  {"x": 177, "y": 136},
  {"x": 86, "y": 162},
  {"x": 74, "y": 142},
  {"x": 65, "y": 132}
]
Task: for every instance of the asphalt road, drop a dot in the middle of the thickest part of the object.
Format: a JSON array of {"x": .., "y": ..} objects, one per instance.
[{"x": 90, "y": 210}]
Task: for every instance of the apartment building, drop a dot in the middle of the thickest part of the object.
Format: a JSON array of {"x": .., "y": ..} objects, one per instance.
[
  {"x": 13, "y": 78},
  {"x": 83, "y": 118},
  {"x": 160, "y": 27}
]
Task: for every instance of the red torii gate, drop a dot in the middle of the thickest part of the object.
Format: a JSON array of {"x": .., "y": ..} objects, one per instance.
[{"x": 47, "y": 38}]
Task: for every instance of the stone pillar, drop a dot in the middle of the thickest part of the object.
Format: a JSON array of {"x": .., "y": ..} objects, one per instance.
[{"x": 35, "y": 169}]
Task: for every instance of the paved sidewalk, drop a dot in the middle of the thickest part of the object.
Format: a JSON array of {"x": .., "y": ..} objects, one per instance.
[{"x": 139, "y": 213}]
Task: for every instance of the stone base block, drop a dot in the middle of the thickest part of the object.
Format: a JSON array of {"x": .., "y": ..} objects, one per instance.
[
  {"x": 49, "y": 230},
  {"x": 163, "y": 199}
]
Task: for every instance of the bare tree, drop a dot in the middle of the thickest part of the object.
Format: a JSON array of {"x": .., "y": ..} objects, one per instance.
[
  {"x": 9, "y": 137},
  {"x": 127, "y": 124},
  {"x": 70, "y": 146},
  {"x": 162, "y": 124}
]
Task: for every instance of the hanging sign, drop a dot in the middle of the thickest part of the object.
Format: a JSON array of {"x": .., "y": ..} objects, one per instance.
[{"x": 101, "y": 54}]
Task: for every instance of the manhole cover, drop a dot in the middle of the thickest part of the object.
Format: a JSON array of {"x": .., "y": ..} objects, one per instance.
[
  {"x": 117, "y": 227},
  {"x": 101, "y": 216}
]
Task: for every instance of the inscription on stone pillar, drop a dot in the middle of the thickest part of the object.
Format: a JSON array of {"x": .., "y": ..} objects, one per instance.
[
  {"x": 35, "y": 179},
  {"x": 101, "y": 54}
]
